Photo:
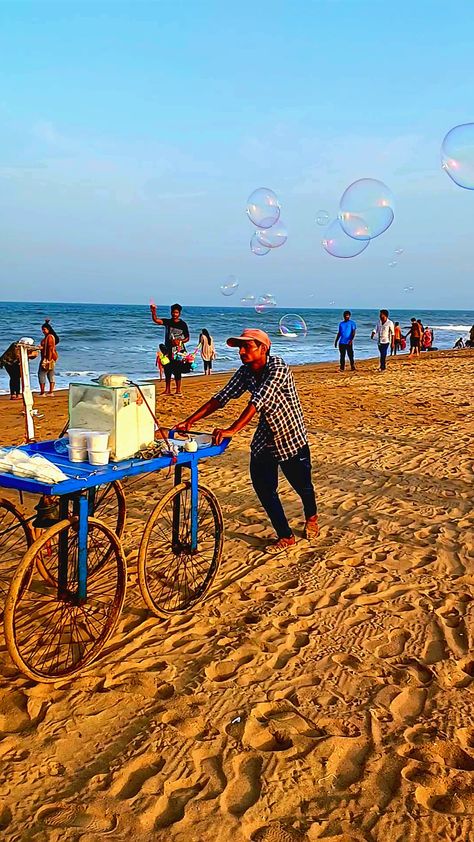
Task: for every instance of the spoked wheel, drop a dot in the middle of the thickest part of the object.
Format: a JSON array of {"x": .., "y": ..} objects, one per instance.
[
  {"x": 16, "y": 535},
  {"x": 172, "y": 575},
  {"x": 109, "y": 507},
  {"x": 51, "y": 634}
]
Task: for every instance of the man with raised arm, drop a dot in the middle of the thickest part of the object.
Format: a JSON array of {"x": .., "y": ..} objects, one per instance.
[{"x": 280, "y": 440}]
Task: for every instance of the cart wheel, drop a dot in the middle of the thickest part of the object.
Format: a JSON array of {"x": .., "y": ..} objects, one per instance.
[
  {"x": 50, "y": 634},
  {"x": 172, "y": 576},
  {"x": 109, "y": 507},
  {"x": 16, "y": 535}
]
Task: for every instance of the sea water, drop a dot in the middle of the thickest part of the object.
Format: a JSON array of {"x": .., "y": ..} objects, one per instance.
[{"x": 98, "y": 338}]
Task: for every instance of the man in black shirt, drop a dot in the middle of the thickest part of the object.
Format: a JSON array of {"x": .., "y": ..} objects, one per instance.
[{"x": 176, "y": 336}]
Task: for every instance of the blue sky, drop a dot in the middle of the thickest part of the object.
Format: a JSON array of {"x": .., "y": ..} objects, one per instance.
[{"x": 133, "y": 132}]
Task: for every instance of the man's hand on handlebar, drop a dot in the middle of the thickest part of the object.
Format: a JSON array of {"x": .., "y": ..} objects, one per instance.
[
  {"x": 182, "y": 427},
  {"x": 219, "y": 434}
]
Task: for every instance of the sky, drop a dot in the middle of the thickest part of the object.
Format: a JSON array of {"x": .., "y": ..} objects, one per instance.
[{"x": 133, "y": 133}]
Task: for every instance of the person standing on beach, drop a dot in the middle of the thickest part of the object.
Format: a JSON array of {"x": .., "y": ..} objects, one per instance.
[
  {"x": 208, "y": 351},
  {"x": 415, "y": 332},
  {"x": 397, "y": 339},
  {"x": 384, "y": 331},
  {"x": 280, "y": 440},
  {"x": 176, "y": 336},
  {"x": 49, "y": 358},
  {"x": 345, "y": 336}
]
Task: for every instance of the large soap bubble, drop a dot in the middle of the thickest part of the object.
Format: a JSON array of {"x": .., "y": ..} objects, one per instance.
[
  {"x": 248, "y": 300},
  {"x": 230, "y": 286},
  {"x": 457, "y": 155},
  {"x": 292, "y": 325},
  {"x": 338, "y": 244},
  {"x": 322, "y": 217},
  {"x": 265, "y": 302},
  {"x": 263, "y": 208},
  {"x": 256, "y": 246},
  {"x": 371, "y": 203},
  {"x": 273, "y": 237}
]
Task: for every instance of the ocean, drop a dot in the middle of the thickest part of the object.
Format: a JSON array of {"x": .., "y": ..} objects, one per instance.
[{"x": 98, "y": 338}]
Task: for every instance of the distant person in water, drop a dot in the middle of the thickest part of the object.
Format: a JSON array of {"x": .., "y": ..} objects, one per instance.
[
  {"x": 384, "y": 333},
  {"x": 415, "y": 332},
  {"x": 49, "y": 358},
  {"x": 208, "y": 351},
  {"x": 345, "y": 337},
  {"x": 176, "y": 336}
]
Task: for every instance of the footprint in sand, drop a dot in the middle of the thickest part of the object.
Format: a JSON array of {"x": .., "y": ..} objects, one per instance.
[
  {"x": 408, "y": 705},
  {"x": 443, "y": 773},
  {"x": 244, "y": 789},
  {"x": 75, "y": 816},
  {"x": 455, "y": 630},
  {"x": 134, "y": 774},
  {"x": 395, "y": 645}
]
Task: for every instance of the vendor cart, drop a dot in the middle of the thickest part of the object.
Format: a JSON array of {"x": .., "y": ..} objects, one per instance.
[{"x": 66, "y": 585}]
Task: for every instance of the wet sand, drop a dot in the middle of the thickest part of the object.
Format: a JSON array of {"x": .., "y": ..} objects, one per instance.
[{"x": 325, "y": 694}]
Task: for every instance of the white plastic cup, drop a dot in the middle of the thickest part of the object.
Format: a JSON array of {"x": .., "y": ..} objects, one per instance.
[
  {"x": 99, "y": 457},
  {"x": 78, "y": 437},
  {"x": 77, "y": 454},
  {"x": 97, "y": 441}
]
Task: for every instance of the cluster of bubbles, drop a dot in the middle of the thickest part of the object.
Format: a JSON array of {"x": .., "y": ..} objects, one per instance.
[
  {"x": 263, "y": 210},
  {"x": 408, "y": 289},
  {"x": 265, "y": 302},
  {"x": 230, "y": 285},
  {"x": 394, "y": 259},
  {"x": 365, "y": 212},
  {"x": 457, "y": 155},
  {"x": 292, "y": 326}
]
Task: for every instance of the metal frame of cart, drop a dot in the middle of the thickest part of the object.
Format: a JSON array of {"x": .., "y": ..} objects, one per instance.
[{"x": 67, "y": 592}]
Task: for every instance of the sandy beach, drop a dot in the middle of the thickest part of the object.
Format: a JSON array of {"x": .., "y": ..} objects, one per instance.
[{"x": 325, "y": 694}]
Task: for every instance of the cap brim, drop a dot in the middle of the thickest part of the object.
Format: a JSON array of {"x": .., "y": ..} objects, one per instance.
[{"x": 235, "y": 341}]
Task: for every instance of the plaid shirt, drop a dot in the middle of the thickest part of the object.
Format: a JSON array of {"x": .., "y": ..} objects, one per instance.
[{"x": 281, "y": 426}]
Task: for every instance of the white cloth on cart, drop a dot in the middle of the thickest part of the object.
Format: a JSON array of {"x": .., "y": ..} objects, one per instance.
[{"x": 21, "y": 464}]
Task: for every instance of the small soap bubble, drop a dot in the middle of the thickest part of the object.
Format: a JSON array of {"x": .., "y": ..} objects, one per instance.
[
  {"x": 457, "y": 155},
  {"x": 256, "y": 246},
  {"x": 322, "y": 217},
  {"x": 338, "y": 244},
  {"x": 273, "y": 237},
  {"x": 230, "y": 286},
  {"x": 393, "y": 263},
  {"x": 408, "y": 289},
  {"x": 248, "y": 300},
  {"x": 292, "y": 325},
  {"x": 399, "y": 251},
  {"x": 263, "y": 208},
  {"x": 265, "y": 302}
]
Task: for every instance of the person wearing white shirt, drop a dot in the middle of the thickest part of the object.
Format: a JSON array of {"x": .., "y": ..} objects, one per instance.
[{"x": 384, "y": 331}]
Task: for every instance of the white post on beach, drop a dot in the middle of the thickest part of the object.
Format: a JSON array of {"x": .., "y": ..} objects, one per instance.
[{"x": 27, "y": 393}]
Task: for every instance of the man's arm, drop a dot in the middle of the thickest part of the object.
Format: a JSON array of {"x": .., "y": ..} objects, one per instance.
[
  {"x": 155, "y": 318},
  {"x": 337, "y": 338},
  {"x": 353, "y": 333},
  {"x": 206, "y": 409},
  {"x": 244, "y": 418}
]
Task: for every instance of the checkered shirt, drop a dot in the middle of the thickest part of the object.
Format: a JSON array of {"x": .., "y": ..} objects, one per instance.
[{"x": 281, "y": 426}]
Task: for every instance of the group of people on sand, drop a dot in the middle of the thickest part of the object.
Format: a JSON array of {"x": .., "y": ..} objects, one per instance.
[
  {"x": 48, "y": 356},
  {"x": 389, "y": 336}
]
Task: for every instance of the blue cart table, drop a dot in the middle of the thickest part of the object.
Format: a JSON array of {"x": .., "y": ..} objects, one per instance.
[{"x": 68, "y": 589}]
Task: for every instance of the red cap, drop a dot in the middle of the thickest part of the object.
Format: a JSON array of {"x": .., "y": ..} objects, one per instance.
[{"x": 250, "y": 334}]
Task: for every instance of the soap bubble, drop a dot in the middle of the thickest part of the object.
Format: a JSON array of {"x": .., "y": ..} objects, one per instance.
[
  {"x": 263, "y": 208},
  {"x": 408, "y": 289},
  {"x": 393, "y": 263},
  {"x": 399, "y": 251},
  {"x": 248, "y": 300},
  {"x": 370, "y": 201},
  {"x": 256, "y": 246},
  {"x": 230, "y": 286},
  {"x": 322, "y": 217},
  {"x": 338, "y": 244},
  {"x": 292, "y": 325},
  {"x": 264, "y": 303},
  {"x": 273, "y": 237},
  {"x": 457, "y": 155}
]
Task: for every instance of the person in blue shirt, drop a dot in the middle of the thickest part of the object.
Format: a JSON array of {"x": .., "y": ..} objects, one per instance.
[{"x": 345, "y": 337}]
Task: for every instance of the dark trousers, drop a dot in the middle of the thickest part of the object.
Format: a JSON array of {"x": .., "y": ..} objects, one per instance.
[
  {"x": 173, "y": 368},
  {"x": 383, "y": 348},
  {"x": 13, "y": 371},
  {"x": 343, "y": 347},
  {"x": 297, "y": 470}
]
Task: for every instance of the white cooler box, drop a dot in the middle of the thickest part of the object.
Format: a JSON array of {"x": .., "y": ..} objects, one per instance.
[{"x": 120, "y": 411}]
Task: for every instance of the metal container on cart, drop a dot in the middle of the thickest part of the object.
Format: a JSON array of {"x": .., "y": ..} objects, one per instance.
[{"x": 118, "y": 410}]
